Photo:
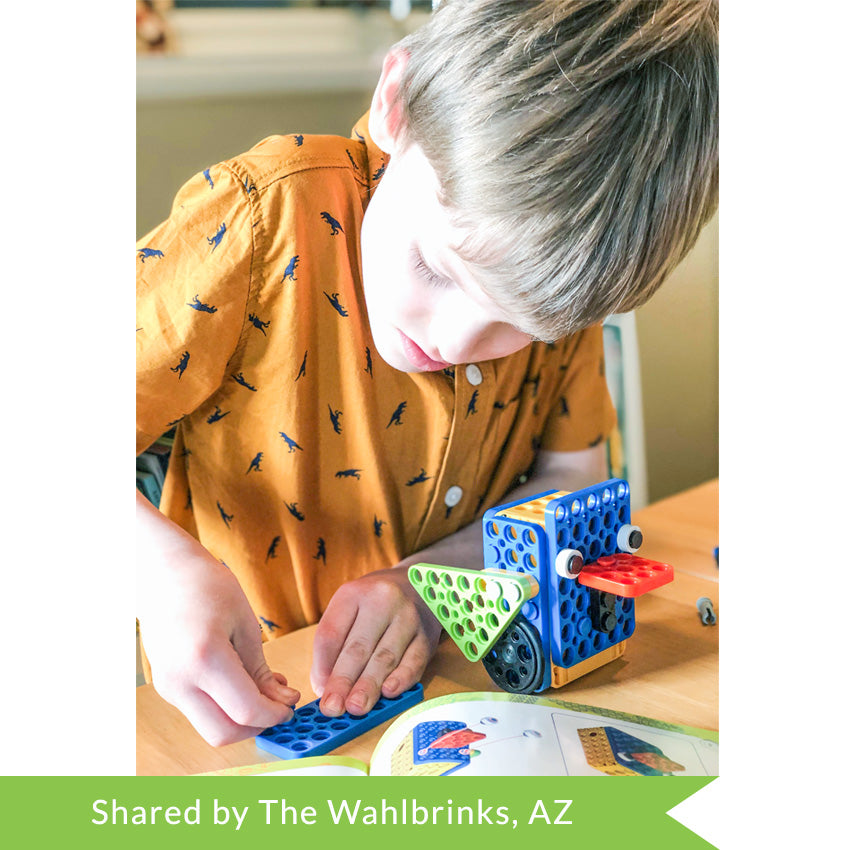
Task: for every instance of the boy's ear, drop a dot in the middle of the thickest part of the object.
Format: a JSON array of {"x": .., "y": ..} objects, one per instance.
[{"x": 385, "y": 114}]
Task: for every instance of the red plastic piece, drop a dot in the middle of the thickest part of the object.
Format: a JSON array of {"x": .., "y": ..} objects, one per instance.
[
  {"x": 625, "y": 574},
  {"x": 456, "y": 738}
]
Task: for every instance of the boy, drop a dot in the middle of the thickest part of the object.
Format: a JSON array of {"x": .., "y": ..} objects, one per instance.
[{"x": 365, "y": 343}]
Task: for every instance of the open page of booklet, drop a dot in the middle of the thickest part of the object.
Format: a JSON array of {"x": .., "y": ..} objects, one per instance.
[{"x": 500, "y": 734}]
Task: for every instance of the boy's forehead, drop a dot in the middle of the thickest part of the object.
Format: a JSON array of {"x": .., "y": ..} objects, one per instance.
[
  {"x": 418, "y": 198},
  {"x": 444, "y": 226}
]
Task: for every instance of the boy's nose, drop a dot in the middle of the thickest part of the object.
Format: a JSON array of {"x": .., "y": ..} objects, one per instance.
[
  {"x": 465, "y": 336},
  {"x": 457, "y": 337}
]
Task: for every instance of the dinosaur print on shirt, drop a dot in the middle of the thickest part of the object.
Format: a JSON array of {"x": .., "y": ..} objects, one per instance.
[
  {"x": 197, "y": 304},
  {"x": 395, "y": 419},
  {"x": 258, "y": 323},
  {"x": 334, "y": 300},
  {"x": 150, "y": 253},
  {"x": 418, "y": 479},
  {"x": 242, "y": 381},
  {"x": 292, "y": 507},
  {"x": 289, "y": 271},
  {"x": 180, "y": 368},
  {"x": 336, "y": 227},
  {"x": 335, "y": 414},
  {"x": 216, "y": 415},
  {"x": 271, "y": 552},
  {"x": 215, "y": 241},
  {"x": 291, "y": 444},
  {"x": 224, "y": 515}
]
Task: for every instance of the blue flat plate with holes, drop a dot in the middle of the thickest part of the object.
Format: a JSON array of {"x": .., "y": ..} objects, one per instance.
[{"x": 311, "y": 733}]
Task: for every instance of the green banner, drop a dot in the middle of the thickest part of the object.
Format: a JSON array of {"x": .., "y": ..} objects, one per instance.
[{"x": 210, "y": 812}]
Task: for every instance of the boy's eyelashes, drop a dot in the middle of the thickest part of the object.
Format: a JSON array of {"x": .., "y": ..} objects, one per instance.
[
  {"x": 425, "y": 271},
  {"x": 432, "y": 278}
]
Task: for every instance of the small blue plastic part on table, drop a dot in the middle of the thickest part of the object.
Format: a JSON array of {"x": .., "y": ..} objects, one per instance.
[{"x": 311, "y": 733}]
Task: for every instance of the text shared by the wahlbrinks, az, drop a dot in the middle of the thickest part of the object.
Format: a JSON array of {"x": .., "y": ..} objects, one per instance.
[{"x": 352, "y": 812}]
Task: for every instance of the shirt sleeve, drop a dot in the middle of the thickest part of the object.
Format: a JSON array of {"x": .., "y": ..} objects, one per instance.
[
  {"x": 583, "y": 414},
  {"x": 193, "y": 276}
]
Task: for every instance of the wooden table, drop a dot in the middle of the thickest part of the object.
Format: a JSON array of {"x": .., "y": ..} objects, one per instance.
[{"x": 669, "y": 670}]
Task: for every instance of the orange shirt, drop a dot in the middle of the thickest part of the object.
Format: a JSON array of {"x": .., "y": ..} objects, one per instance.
[{"x": 302, "y": 460}]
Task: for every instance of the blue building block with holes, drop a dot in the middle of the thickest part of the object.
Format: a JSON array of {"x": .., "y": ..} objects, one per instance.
[
  {"x": 311, "y": 733},
  {"x": 521, "y": 547},
  {"x": 587, "y": 520},
  {"x": 574, "y": 638}
]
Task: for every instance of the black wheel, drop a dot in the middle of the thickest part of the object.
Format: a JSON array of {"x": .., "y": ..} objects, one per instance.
[{"x": 516, "y": 662}]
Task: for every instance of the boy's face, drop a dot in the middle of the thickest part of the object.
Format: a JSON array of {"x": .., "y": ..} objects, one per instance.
[{"x": 426, "y": 310}]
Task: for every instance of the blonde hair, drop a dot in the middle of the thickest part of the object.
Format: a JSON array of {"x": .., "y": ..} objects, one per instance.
[{"x": 575, "y": 142}]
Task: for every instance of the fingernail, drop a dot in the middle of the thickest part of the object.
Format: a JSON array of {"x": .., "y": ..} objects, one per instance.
[
  {"x": 283, "y": 692},
  {"x": 391, "y": 685},
  {"x": 357, "y": 704},
  {"x": 333, "y": 705}
]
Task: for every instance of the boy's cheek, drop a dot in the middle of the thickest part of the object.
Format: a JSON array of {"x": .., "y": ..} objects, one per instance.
[
  {"x": 392, "y": 298},
  {"x": 388, "y": 348}
]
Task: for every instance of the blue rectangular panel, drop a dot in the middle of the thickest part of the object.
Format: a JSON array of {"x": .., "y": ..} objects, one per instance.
[
  {"x": 521, "y": 547},
  {"x": 588, "y": 520},
  {"x": 311, "y": 733}
]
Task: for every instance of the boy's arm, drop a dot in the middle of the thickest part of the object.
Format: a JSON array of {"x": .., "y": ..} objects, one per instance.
[
  {"x": 201, "y": 636},
  {"x": 377, "y": 635}
]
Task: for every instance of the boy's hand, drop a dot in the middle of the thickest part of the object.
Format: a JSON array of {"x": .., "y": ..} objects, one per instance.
[
  {"x": 202, "y": 638},
  {"x": 375, "y": 638}
]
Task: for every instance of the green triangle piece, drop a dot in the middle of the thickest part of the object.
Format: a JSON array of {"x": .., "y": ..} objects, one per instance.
[{"x": 473, "y": 606}]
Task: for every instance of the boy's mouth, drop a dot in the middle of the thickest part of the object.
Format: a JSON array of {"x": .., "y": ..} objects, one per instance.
[{"x": 418, "y": 358}]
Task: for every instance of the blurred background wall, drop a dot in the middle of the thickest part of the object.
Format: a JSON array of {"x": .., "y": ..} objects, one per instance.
[{"x": 212, "y": 80}]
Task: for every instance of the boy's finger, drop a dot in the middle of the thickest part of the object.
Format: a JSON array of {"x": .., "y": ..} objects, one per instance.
[
  {"x": 274, "y": 686},
  {"x": 385, "y": 658},
  {"x": 211, "y": 723},
  {"x": 228, "y": 683},
  {"x": 355, "y": 654},
  {"x": 411, "y": 667},
  {"x": 249, "y": 648},
  {"x": 331, "y": 634}
]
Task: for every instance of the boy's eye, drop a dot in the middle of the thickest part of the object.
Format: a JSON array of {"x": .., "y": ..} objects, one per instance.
[{"x": 425, "y": 271}]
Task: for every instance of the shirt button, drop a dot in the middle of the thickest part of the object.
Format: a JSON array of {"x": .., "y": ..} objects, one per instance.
[
  {"x": 473, "y": 375},
  {"x": 453, "y": 496}
]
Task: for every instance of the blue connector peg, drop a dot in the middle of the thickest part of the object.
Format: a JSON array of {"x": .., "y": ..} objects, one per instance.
[{"x": 311, "y": 733}]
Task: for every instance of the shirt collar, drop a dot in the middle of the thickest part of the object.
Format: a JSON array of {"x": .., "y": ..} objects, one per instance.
[{"x": 376, "y": 159}]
